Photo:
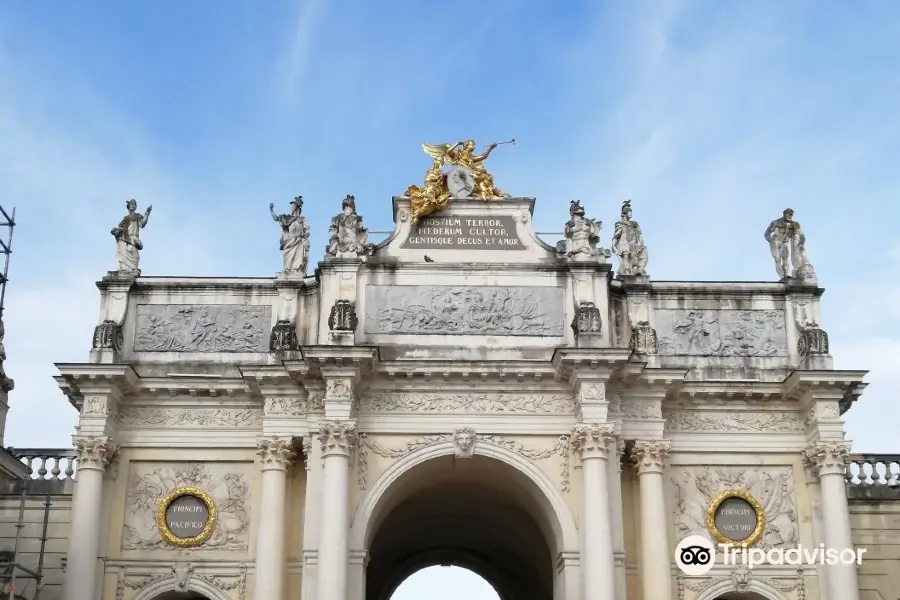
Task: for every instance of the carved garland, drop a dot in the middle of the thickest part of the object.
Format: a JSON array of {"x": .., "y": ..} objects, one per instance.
[
  {"x": 204, "y": 534},
  {"x": 740, "y": 582},
  {"x": 226, "y": 583},
  {"x": 560, "y": 448}
]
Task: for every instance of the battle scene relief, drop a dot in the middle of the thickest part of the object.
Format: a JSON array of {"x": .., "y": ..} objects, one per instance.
[
  {"x": 202, "y": 328},
  {"x": 464, "y": 310},
  {"x": 704, "y": 332},
  {"x": 773, "y": 487},
  {"x": 228, "y": 484}
]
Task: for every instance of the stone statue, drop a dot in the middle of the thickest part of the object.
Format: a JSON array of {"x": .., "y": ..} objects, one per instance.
[
  {"x": 347, "y": 236},
  {"x": 6, "y": 384},
  {"x": 128, "y": 239},
  {"x": 788, "y": 243},
  {"x": 294, "y": 237},
  {"x": 628, "y": 245},
  {"x": 582, "y": 235}
]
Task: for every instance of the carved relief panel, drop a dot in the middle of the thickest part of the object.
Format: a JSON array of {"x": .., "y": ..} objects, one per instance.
[
  {"x": 741, "y": 333},
  {"x": 202, "y": 328},
  {"x": 464, "y": 310},
  {"x": 227, "y": 484},
  {"x": 773, "y": 487}
]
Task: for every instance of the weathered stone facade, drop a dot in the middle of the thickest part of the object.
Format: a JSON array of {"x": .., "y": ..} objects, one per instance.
[{"x": 490, "y": 396}]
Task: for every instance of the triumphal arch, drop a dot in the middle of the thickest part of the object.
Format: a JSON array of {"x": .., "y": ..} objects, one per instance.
[{"x": 460, "y": 393}]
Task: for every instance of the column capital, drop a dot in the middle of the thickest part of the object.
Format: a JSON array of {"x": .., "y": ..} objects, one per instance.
[
  {"x": 593, "y": 440},
  {"x": 276, "y": 453},
  {"x": 94, "y": 452},
  {"x": 651, "y": 456},
  {"x": 827, "y": 458},
  {"x": 337, "y": 438}
]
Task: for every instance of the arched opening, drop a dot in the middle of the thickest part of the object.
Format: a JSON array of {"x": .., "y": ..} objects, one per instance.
[
  {"x": 180, "y": 596},
  {"x": 477, "y": 513},
  {"x": 445, "y": 583}
]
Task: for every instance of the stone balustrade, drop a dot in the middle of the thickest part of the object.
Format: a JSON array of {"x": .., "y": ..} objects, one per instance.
[
  {"x": 875, "y": 476},
  {"x": 47, "y": 463}
]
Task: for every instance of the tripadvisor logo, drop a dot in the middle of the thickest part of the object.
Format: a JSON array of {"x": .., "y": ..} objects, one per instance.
[{"x": 695, "y": 556}]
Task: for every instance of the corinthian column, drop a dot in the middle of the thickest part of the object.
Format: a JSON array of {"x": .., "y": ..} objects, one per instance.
[
  {"x": 93, "y": 455},
  {"x": 593, "y": 442},
  {"x": 829, "y": 462},
  {"x": 275, "y": 455},
  {"x": 656, "y": 571},
  {"x": 337, "y": 441}
]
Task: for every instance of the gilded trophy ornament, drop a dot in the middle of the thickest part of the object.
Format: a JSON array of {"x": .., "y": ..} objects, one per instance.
[
  {"x": 466, "y": 177},
  {"x": 186, "y": 517},
  {"x": 737, "y": 502}
]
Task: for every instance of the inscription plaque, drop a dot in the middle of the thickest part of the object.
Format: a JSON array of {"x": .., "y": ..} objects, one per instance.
[
  {"x": 735, "y": 517},
  {"x": 186, "y": 517},
  {"x": 464, "y": 233}
]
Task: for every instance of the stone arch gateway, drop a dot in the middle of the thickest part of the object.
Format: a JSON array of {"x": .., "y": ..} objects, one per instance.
[
  {"x": 460, "y": 393},
  {"x": 518, "y": 490}
]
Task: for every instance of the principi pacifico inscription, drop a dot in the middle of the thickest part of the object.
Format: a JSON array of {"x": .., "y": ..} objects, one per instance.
[{"x": 462, "y": 232}]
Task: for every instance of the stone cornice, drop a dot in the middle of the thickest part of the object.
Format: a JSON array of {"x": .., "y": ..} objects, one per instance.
[
  {"x": 751, "y": 390},
  {"x": 843, "y": 386},
  {"x": 599, "y": 363},
  {"x": 349, "y": 359},
  {"x": 273, "y": 380},
  {"x": 79, "y": 379}
]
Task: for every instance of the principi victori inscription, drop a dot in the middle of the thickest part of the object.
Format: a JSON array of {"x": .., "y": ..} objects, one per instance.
[
  {"x": 463, "y": 233},
  {"x": 735, "y": 517},
  {"x": 186, "y": 517}
]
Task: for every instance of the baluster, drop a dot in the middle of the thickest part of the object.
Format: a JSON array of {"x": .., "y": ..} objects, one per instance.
[
  {"x": 42, "y": 470},
  {"x": 55, "y": 471}
]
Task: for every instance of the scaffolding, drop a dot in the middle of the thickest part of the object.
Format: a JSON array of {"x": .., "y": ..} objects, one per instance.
[{"x": 11, "y": 569}]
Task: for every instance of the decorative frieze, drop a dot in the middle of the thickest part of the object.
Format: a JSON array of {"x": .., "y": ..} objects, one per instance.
[
  {"x": 466, "y": 403},
  {"x": 286, "y": 406},
  {"x": 191, "y": 418},
  {"x": 683, "y": 421},
  {"x": 740, "y": 581},
  {"x": 641, "y": 409}
]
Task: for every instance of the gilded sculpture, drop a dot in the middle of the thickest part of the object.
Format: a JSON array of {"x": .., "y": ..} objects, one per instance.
[{"x": 466, "y": 177}]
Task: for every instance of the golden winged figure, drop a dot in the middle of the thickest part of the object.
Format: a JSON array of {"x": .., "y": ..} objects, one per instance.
[{"x": 434, "y": 194}]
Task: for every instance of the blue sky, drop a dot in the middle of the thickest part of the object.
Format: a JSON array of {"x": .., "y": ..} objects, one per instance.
[{"x": 712, "y": 116}]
